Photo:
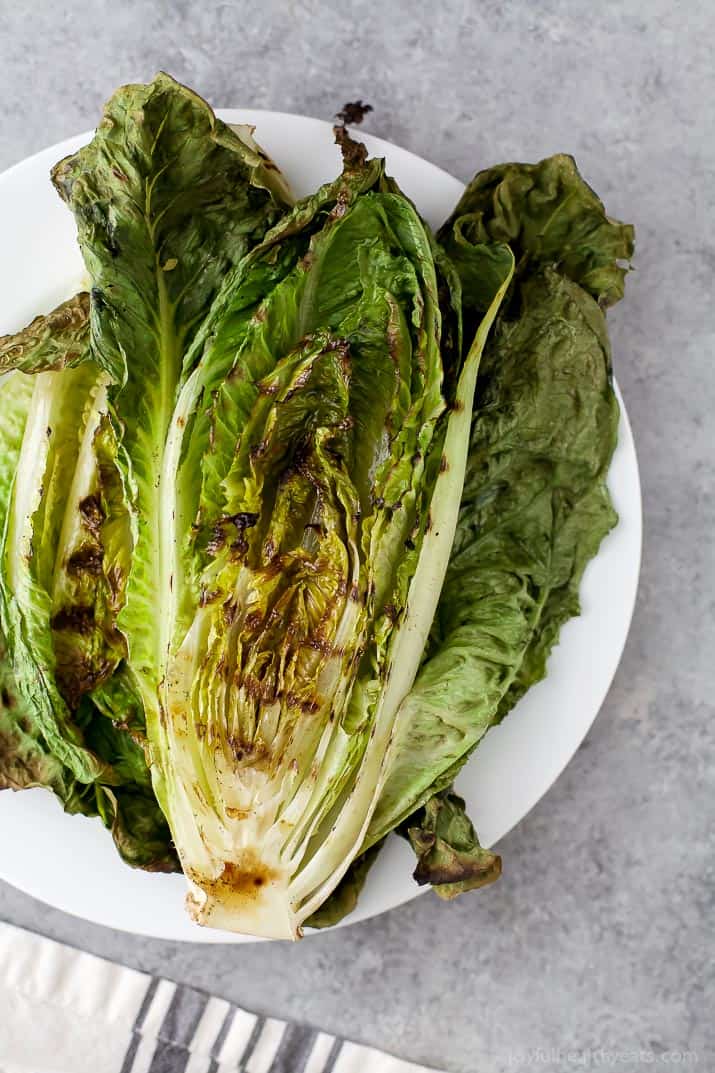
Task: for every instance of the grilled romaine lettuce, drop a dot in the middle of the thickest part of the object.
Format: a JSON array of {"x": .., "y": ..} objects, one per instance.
[
  {"x": 535, "y": 505},
  {"x": 244, "y": 582}
]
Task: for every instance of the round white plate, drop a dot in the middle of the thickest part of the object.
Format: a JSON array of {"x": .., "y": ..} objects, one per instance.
[{"x": 69, "y": 861}]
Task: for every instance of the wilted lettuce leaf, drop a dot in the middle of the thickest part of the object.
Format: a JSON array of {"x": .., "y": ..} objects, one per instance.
[
  {"x": 312, "y": 457},
  {"x": 55, "y": 507},
  {"x": 535, "y": 506},
  {"x": 25, "y": 759},
  {"x": 449, "y": 856},
  {"x": 29, "y": 412},
  {"x": 139, "y": 829},
  {"x": 534, "y": 511},
  {"x": 65, "y": 533},
  {"x": 129, "y": 806},
  {"x": 549, "y": 216},
  {"x": 50, "y": 342}
]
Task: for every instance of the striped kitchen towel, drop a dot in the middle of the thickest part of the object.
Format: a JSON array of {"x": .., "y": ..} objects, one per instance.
[{"x": 64, "y": 1011}]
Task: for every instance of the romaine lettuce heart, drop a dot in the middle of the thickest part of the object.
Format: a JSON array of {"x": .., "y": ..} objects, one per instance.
[
  {"x": 306, "y": 568},
  {"x": 167, "y": 199},
  {"x": 43, "y": 533},
  {"x": 59, "y": 598}
]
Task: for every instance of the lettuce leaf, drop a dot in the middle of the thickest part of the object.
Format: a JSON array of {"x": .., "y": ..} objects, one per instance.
[
  {"x": 166, "y": 198},
  {"x": 333, "y": 391},
  {"x": 25, "y": 757},
  {"x": 535, "y": 506},
  {"x": 60, "y": 647},
  {"x": 65, "y": 534},
  {"x": 26, "y": 761},
  {"x": 449, "y": 855},
  {"x": 548, "y": 215},
  {"x": 128, "y": 807},
  {"x": 47, "y": 459},
  {"x": 51, "y": 342}
]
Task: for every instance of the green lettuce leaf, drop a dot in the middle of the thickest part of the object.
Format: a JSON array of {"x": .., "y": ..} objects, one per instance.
[
  {"x": 139, "y": 829},
  {"x": 128, "y": 807},
  {"x": 312, "y": 433},
  {"x": 449, "y": 855},
  {"x": 548, "y": 215},
  {"x": 55, "y": 461},
  {"x": 26, "y": 759},
  {"x": 166, "y": 198},
  {"x": 59, "y": 600},
  {"x": 534, "y": 510},
  {"x": 64, "y": 504},
  {"x": 51, "y": 342},
  {"x": 535, "y": 506}
]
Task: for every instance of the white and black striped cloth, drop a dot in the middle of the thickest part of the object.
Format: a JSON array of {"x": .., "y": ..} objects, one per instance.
[{"x": 64, "y": 1011}]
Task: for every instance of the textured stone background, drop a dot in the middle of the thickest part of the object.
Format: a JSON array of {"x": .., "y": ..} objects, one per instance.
[{"x": 600, "y": 933}]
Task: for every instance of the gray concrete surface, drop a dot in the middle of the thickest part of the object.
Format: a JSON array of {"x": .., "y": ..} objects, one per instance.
[{"x": 598, "y": 940}]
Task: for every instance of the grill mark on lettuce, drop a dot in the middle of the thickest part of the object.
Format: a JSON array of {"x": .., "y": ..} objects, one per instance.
[
  {"x": 76, "y": 618},
  {"x": 92, "y": 513},
  {"x": 88, "y": 559},
  {"x": 51, "y": 342}
]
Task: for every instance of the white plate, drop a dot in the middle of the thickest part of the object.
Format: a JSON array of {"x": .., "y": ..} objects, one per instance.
[{"x": 70, "y": 862}]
